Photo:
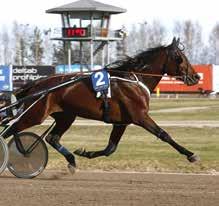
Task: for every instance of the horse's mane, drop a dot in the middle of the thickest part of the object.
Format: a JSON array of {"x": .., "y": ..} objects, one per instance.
[{"x": 138, "y": 61}]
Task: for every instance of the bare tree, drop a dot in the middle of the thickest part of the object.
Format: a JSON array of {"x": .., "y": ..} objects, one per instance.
[
  {"x": 121, "y": 46},
  {"x": 17, "y": 45},
  {"x": 1, "y": 50},
  {"x": 214, "y": 45},
  {"x": 36, "y": 48},
  {"x": 6, "y": 50},
  {"x": 156, "y": 33},
  {"x": 191, "y": 36},
  {"x": 47, "y": 47},
  {"x": 132, "y": 38},
  {"x": 58, "y": 53},
  {"x": 145, "y": 35},
  {"x": 28, "y": 45},
  {"x": 198, "y": 45},
  {"x": 21, "y": 43}
]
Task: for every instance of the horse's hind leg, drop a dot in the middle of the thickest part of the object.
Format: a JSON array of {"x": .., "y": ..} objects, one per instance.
[
  {"x": 63, "y": 122},
  {"x": 115, "y": 137},
  {"x": 152, "y": 127}
]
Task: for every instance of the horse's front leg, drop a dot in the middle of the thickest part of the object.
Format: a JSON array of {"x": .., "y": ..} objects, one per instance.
[
  {"x": 115, "y": 137},
  {"x": 152, "y": 127}
]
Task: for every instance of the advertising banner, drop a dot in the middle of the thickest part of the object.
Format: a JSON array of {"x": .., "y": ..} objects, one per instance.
[
  {"x": 25, "y": 74},
  {"x": 170, "y": 84},
  {"x": 216, "y": 78},
  {"x": 6, "y": 78}
]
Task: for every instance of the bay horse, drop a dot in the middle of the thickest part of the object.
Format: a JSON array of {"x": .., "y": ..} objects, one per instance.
[{"x": 129, "y": 103}]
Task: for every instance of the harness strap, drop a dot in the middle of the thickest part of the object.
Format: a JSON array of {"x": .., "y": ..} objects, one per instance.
[{"x": 136, "y": 81}]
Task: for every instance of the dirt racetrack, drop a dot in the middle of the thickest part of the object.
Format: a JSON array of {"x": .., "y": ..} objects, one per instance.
[{"x": 57, "y": 188}]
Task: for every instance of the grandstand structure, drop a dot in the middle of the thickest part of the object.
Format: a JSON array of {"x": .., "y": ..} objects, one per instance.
[{"x": 87, "y": 21}]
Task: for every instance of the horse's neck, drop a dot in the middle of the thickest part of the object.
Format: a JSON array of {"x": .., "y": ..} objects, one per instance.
[
  {"x": 150, "y": 81},
  {"x": 154, "y": 72},
  {"x": 151, "y": 78}
]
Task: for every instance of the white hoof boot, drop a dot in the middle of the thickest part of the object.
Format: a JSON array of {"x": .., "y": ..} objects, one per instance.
[
  {"x": 71, "y": 169},
  {"x": 193, "y": 158}
]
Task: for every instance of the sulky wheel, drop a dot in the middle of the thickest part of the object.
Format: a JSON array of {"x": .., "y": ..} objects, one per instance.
[
  {"x": 4, "y": 154},
  {"x": 28, "y": 155}
]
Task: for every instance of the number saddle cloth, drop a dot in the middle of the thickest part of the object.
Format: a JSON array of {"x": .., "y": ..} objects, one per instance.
[{"x": 101, "y": 85}]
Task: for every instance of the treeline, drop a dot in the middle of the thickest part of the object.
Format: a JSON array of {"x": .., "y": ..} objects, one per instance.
[{"x": 25, "y": 44}]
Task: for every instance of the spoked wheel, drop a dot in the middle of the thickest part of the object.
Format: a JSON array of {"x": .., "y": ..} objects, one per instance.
[
  {"x": 4, "y": 154},
  {"x": 28, "y": 155}
]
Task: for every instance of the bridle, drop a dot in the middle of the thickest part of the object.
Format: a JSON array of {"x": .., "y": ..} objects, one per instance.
[{"x": 171, "y": 54}]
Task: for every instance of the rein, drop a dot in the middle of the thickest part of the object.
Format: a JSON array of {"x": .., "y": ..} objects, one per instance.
[{"x": 126, "y": 72}]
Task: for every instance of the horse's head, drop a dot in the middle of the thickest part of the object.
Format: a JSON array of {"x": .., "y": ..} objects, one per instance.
[{"x": 178, "y": 65}]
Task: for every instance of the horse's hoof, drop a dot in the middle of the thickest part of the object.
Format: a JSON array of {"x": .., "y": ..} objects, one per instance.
[
  {"x": 80, "y": 151},
  {"x": 193, "y": 158},
  {"x": 71, "y": 168}
]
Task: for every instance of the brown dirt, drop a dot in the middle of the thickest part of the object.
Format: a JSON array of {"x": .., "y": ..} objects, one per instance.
[
  {"x": 104, "y": 188},
  {"x": 175, "y": 123}
]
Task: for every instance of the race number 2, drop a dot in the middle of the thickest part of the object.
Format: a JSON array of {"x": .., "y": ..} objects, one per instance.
[{"x": 100, "y": 80}]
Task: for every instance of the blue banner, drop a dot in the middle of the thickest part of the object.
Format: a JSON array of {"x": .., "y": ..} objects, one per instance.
[
  {"x": 6, "y": 78},
  {"x": 64, "y": 68}
]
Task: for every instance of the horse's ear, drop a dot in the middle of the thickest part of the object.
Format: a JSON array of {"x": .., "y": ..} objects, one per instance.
[
  {"x": 174, "y": 41},
  {"x": 177, "y": 42}
]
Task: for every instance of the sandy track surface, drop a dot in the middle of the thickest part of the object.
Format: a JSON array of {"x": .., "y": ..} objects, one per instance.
[
  {"x": 103, "y": 188},
  {"x": 188, "y": 123}
]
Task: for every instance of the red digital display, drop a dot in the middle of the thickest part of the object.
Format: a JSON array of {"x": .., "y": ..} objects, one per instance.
[{"x": 74, "y": 32}]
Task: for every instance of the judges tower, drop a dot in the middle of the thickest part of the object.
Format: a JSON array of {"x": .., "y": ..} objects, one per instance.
[{"x": 87, "y": 21}]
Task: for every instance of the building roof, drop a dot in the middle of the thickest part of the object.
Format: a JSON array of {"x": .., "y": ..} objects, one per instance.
[{"x": 86, "y": 5}]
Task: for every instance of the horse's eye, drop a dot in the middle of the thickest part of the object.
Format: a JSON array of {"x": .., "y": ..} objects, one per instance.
[
  {"x": 2, "y": 103},
  {"x": 178, "y": 59}
]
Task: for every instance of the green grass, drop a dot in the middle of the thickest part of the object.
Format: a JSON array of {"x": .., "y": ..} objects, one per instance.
[
  {"x": 211, "y": 112},
  {"x": 162, "y": 103},
  {"x": 141, "y": 151}
]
